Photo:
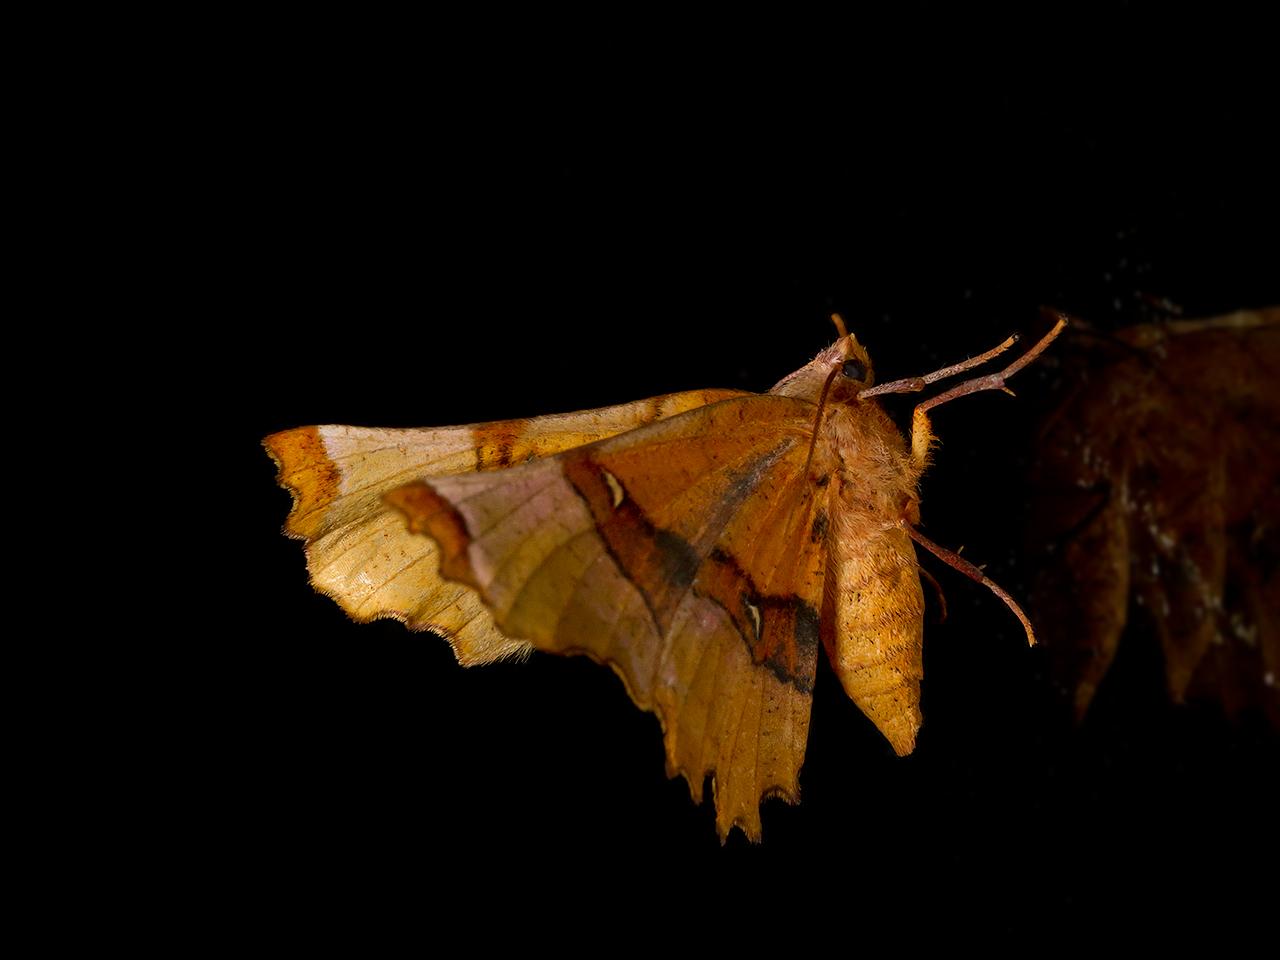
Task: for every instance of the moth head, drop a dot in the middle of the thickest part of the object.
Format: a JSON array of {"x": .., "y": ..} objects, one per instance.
[
  {"x": 840, "y": 372},
  {"x": 856, "y": 367},
  {"x": 849, "y": 370}
]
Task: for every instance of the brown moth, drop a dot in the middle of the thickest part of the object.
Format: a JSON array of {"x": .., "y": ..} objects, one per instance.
[{"x": 702, "y": 544}]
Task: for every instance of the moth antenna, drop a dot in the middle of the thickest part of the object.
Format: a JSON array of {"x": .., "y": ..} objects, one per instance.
[
  {"x": 973, "y": 573},
  {"x": 817, "y": 420},
  {"x": 840, "y": 327}
]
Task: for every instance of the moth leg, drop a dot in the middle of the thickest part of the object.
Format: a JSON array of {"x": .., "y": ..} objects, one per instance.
[
  {"x": 973, "y": 573},
  {"x": 937, "y": 589},
  {"x": 922, "y": 433},
  {"x": 921, "y": 438}
]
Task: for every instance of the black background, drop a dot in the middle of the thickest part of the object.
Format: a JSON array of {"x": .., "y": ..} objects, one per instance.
[{"x": 414, "y": 240}]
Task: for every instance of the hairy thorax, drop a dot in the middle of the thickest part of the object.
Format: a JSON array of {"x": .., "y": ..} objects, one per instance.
[{"x": 876, "y": 481}]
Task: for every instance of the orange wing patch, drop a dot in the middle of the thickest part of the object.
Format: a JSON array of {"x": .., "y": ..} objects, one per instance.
[{"x": 308, "y": 472}]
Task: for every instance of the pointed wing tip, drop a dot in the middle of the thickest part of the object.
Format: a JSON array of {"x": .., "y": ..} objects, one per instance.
[
  {"x": 749, "y": 820},
  {"x": 750, "y": 828},
  {"x": 304, "y": 468}
]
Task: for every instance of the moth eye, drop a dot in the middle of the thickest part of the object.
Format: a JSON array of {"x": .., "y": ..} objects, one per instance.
[{"x": 854, "y": 370}]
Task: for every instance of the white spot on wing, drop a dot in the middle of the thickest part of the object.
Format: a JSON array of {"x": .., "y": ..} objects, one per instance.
[
  {"x": 615, "y": 488},
  {"x": 755, "y": 616}
]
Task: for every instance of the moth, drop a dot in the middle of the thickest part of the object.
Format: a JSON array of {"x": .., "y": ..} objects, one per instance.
[{"x": 703, "y": 544}]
